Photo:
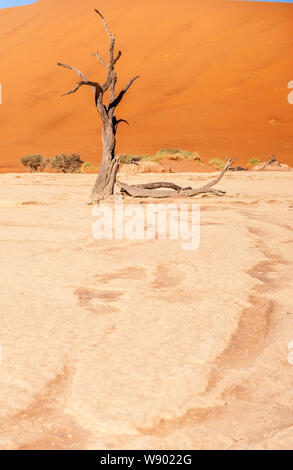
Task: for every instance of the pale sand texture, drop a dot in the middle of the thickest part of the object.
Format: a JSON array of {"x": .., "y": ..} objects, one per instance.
[{"x": 119, "y": 344}]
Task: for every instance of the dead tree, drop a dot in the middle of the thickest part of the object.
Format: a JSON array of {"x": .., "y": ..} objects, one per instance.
[
  {"x": 105, "y": 182},
  {"x": 104, "y": 185},
  {"x": 171, "y": 189}
]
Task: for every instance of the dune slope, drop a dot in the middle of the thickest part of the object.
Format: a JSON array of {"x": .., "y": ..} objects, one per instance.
[{"x": 214, "y": 77}]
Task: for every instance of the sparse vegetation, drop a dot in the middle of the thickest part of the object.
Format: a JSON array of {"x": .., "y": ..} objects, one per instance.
[
  {"x": 217, "y": 162},
  {"x": 35, "y": 162},
  {"x": 67, "y": 163},
  {"x": 87, "y": 166},
  {"x": 132, "y": 158},
  {"x": 172, "y": 154},
  {"x": 177, "y": 154},
  {"x": 253, "y": 161}
]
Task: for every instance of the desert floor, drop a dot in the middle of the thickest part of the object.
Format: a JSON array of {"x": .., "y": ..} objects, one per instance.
[{"x": 140, "y": 344}]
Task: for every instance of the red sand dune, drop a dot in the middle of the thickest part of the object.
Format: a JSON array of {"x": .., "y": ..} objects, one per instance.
[{"x": 214, "y": 77}]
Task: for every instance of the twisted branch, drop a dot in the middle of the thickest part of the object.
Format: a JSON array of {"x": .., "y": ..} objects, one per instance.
[
  {"x": 94, "y": 85},
  {"x": 151, "y": 189}
]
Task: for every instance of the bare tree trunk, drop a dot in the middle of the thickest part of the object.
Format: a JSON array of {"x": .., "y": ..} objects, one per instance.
[{"x": 105, "y": 182}]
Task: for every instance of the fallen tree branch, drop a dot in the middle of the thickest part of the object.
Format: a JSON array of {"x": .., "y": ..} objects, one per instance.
[
  {"x": 100, "y": 59},
  {"x": 151, "y": 189}
]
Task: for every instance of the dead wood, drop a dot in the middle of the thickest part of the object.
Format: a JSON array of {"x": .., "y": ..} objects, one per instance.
[{"x": 152, "y": 189}]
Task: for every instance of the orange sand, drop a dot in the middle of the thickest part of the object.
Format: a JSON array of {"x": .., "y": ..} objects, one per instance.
[{"x": 214, "y": 77}]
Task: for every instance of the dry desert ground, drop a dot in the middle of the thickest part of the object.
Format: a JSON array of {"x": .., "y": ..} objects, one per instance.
[{"x": 140, "y": 344}]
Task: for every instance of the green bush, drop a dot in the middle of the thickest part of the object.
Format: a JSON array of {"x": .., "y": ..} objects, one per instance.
[
  {"x": 253, "y": 161},
  {"x": 87, "y": 166},
  {"x": 217, "y": 162},
  {"x": 67, "y": 163},
  {"x": 35, "y": 162}
]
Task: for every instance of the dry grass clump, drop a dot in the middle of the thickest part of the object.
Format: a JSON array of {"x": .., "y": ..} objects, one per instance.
[
  {"x": 88, "y": 166},
  {"x": 253, "y": 161},
  {"x": 127, "y": 158},
  {"x": 178, "y": 154},
  {"x": 217, "y": 162}
]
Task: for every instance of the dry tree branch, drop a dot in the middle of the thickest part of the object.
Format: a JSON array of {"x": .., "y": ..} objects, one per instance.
[
  {"x": 151, "y": 189},
  {"x": 82, "y": 75},
  {"x": 84, "y": 78},
  {"x": 229, "y": 163},
  {"x": 95, "y": 86},
  {"x": 117, "y": 57},
  {"x": 117, "y": 100},
  {"x": 108, "y": 81},
  {"x": 116, "y": 123},
  {"x": 100, "y": 59},
  {"x": 105, "y": 24},
  {"x": 91, "y": 84}
]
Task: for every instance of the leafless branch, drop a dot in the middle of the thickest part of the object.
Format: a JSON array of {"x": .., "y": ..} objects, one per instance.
[
  {"x": 82, "y": 75},
  {"x": 115, "y": 103},
  {"x": 151, "y": 189},
  {"x": 229, "y": 163},
  {"x": 116, "y": 123},
  {"x": 122, "y": 120},
  {"x": 117, "y": 57},
  {"x": 94, "y": 85},
  {"x": 111, "y": 53},
  {"x": 104, "y": 22}
]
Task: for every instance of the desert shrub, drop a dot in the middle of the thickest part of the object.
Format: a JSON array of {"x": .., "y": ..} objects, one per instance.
[
  {"x": 132, "y": 158},
  {"x": 129, "y": 158},
  {"x": 194, "y": 156},
  {"x": 253, "y": 161},
  {"x": 176, "y": 154},
  {"x": 168, "y": 152},
  {"x": 87, "y": 166},
  {"x": 150, "y": 158},
  {"x": 67, "y": 163},
  {"x": 217, "y": 162},
  {"x": 35, "y": 162}
]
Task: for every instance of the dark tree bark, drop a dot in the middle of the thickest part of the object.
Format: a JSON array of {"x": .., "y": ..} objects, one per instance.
[
  {"x": 105, "y": 182},
  {"x": 104, "y": 185}
]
